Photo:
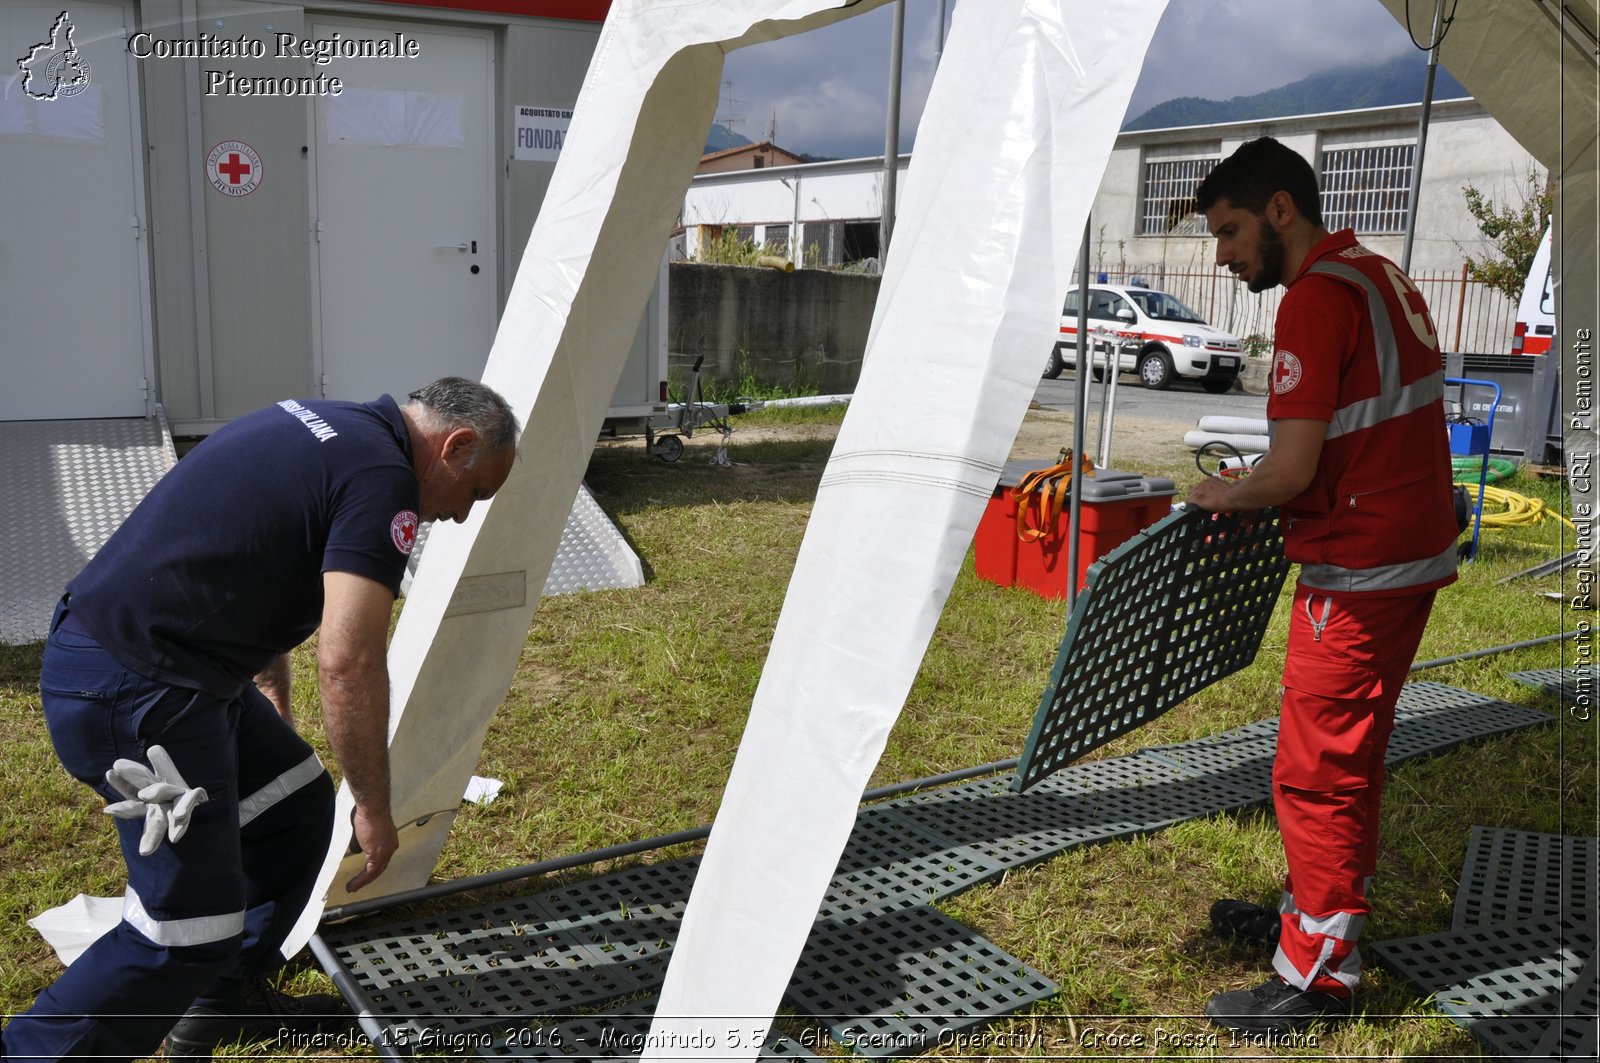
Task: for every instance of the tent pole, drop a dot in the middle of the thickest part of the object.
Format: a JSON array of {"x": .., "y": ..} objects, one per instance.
[
  {"x": 1080, "y": 414},
  {"x": 1422, "y": 136}
]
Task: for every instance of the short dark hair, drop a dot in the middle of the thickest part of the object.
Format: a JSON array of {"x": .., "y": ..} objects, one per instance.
[
  {"x": 1258, "y": 171},
  {"x": 455, "y": 402}
]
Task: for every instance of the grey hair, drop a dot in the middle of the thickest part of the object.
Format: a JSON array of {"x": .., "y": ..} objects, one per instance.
[{"x": 454, "y": 402}]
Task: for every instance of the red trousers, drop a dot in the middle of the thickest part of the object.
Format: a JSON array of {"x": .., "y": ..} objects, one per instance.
[{"x": 1347, "y": 659}]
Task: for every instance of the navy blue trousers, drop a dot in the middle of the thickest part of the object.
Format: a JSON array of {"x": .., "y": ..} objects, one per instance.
[{"x": 204, "y": 913}]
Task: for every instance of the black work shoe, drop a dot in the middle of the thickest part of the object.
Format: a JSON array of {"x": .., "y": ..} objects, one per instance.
[
  {"x": 1246, "y": 923},
  {"x": 1274, "y": 1007},
  {"x": 259, "y": 1013}
]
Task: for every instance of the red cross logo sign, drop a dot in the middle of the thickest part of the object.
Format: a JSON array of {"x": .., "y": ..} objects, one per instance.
[
  {"x": 234, "y": 168},
  {"x": 1285, "y": 372}
]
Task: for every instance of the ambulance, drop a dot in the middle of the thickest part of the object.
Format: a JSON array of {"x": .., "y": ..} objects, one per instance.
[{"x": 1536, "y": 311}]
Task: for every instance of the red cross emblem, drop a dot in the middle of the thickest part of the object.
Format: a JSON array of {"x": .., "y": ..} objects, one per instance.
[{"x": 234, "y": 168}]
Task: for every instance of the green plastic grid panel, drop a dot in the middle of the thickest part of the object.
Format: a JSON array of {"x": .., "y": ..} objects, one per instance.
[
  {"x": 436, "y": 977},
  {"x": 1238, "y": 761},
  {"x": 1169, "y": 612},
  {"x": 892, "y": 982},
  {"x": 1573, "y": 1035},
  {"x": 1433, "y": 717},
  {"x": 1090, "y": 802},
  {"x": 630, "y": 916},
  {"x": 621, "y": 1034},
  {"x": 890, "y": 861},
  {"x": 1511, "y": 875},
  {"x": 1575, "y": 683},
  {"x": 1506, "y": 984}
]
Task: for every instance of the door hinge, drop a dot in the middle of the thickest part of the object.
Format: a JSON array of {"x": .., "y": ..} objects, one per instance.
[
  {"x": 137, "y": 225},
  {"x": 144, "y": 388},
  {"x": 322, "y": 384},
  {"x": 318, "y": 230}
]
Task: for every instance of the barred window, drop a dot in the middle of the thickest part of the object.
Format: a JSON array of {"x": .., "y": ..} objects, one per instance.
[
  {"x": 1169, "y": 208},
  {"x": 1367, "y": 189}
]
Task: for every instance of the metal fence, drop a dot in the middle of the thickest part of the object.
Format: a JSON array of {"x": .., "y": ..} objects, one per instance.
[{"x": 1470, "y": 316}]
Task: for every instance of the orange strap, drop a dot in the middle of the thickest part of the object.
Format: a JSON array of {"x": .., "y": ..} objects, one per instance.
[{"x": 1049, "y": 486}]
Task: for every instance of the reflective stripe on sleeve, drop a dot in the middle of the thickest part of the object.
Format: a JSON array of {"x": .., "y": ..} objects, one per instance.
[
  {"x": 176, "y": 933},
  {"x": 302, "y": 774}
]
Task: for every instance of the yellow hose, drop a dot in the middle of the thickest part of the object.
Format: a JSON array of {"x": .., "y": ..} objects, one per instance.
[{"x": 1520, "y": 511}]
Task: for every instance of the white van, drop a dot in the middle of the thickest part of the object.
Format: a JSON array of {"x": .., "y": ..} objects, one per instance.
[{"x": 1536, "y": 312}]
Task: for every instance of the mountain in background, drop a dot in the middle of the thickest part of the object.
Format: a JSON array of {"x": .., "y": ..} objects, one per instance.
[
  {"x": 1346, "y": 89},
  {"x": 721, "y": 138}
]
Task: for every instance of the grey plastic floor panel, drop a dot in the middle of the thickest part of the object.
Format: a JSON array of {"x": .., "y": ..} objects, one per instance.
[
  {"x": 1169, "y": 612},
  {"x": 1510, "y": 984},
  {"x": 1432, "y": 717},
  {"x": 621, "y": 1035},
  {"x": 66, "y": 488},
  {"x": 890, "y": 861},
  {"x": 1572, "y": 1035},
  {"x": 886, "y": 972},
  {"x": 1577, "y": 683},
  {"x": 1510, "y": 875},
  {"x": 888, "y": 983},
  {"x": 1090, "y": 802},
  {"x": 436, "y": 978}
]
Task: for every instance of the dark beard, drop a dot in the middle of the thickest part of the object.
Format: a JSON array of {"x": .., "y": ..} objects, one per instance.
[{"x": 1271, "y": 273}]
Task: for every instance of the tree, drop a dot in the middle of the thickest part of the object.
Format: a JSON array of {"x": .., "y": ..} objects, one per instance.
[{"x": 1513, "y": 233}]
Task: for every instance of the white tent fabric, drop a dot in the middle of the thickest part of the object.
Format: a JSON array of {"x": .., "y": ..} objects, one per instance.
[
  {"x": 635, "y": 139},
  {"x": 1013, "y": 143}
]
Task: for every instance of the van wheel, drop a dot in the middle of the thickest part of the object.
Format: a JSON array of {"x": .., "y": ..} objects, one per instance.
[
  {"x": 1054, "y": 364},
  {"x": 1155, "y": 369}
]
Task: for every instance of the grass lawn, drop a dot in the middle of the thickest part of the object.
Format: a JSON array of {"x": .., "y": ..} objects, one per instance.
[{"x": 628, "y": 706}]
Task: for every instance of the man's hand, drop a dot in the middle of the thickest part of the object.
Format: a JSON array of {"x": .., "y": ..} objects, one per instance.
[
  {"x": 1210, "y": 494},
  {"x": 1287, "y": 469},
  {"x": 377, "y": 838}
]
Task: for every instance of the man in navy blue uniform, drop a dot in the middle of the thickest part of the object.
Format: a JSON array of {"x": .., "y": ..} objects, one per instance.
[{"x": 166, "y": 688}]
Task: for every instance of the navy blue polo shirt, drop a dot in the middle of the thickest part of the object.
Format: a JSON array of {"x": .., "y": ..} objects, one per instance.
[{"x": 219, "y": 569}]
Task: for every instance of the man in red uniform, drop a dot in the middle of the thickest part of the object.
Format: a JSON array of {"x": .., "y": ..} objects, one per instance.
[{"x": 1360, "y": 466}]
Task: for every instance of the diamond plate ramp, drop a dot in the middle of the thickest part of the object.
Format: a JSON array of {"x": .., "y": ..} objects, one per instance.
[
  {"x": 890, "y": 983},
  {"x": 1510, "y": 984},
  {"x": 1510, "y": 875},
  {"x": 1578, "y": 683},
  {"x": 1177, "y": 607},
  {"x": 66, "y": 488},
  {"x": 593, "y": 554}
]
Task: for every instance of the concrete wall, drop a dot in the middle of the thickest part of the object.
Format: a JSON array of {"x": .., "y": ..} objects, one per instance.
[{"x": 805, "y": 329}]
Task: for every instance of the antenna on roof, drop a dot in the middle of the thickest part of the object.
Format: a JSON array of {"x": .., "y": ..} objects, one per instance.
[
  {"x": 772, "y": 128},
  {"x": 729, "y": 120}
]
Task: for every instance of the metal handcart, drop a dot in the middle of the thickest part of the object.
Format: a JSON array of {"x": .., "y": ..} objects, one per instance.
[{"x": 1470, "y": 437}]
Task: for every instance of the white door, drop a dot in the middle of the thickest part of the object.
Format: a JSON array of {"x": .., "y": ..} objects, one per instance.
[
  {"x": 74, "y": 325},
  {"x": 405, "y": 211}
]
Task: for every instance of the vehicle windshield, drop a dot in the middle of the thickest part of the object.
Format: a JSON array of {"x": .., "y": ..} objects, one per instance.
[{"x": 1164, "y": 307}]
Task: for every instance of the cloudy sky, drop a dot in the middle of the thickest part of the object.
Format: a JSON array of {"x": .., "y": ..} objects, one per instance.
[{"x": 828, "y": 88}]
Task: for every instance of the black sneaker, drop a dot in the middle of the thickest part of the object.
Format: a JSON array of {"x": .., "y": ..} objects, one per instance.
[
  {"x": 1246, "y": 923},
  {"x": 259, "y": 1013},
  {"x": 1274, "y": 1007}
]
